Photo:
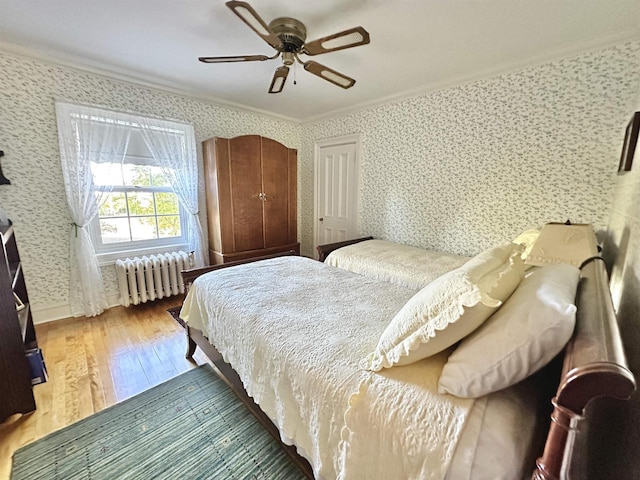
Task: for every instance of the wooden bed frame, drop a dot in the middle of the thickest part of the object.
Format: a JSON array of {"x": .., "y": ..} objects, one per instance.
[
  {"x": 196, "y": 339},
  {"x": 594, "y": 366}
]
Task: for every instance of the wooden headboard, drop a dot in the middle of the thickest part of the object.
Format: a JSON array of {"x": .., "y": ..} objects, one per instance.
[{"x": 594, "y": 366}]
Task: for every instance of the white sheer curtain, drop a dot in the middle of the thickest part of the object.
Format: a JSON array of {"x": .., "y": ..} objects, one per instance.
[
  {"x": 86, "y": 136},
  {"x": 173, "y": 148}
]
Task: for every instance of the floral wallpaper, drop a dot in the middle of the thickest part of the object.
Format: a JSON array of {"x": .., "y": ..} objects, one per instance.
[
  {"x": 613, "y": 449},
  {"x": 464, "y": 168},
  {"x": 35, "y": 200},
  {"x": 455, "y": 170}
]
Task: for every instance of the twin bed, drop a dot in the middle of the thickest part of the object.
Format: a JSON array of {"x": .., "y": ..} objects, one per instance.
[{"x": 298, "y": 335}]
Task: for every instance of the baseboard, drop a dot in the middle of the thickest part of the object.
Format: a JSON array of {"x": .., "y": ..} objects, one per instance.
[{"x": 53, "y": 311}]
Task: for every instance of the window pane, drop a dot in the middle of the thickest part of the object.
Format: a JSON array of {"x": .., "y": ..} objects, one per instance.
[
  {"x": 140, "y": 203},
  {"x": 107, "y": 174},
  {"x": 143, "y": 228},
  {"x": 157, "y": 178},
  {"x": 115, "y": 204},
  {"x": 166, "y": 203},
  {"x": 115, "y": 230},
  {"x": 169, "y": 226},
  {"x": 136, "y": 175}
]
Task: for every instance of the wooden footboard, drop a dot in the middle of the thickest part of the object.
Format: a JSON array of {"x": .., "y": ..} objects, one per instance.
[
  {"x": 594, "y": 366},
  {"x": 325, "y": 250},
  {"x": 188, "y": 276}
]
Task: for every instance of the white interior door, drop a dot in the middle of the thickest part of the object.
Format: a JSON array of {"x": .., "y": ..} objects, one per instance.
[{"x": 336, "y": 191}]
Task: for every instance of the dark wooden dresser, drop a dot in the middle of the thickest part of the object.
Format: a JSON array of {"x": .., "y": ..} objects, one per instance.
[{"x": 17, "y": 334}]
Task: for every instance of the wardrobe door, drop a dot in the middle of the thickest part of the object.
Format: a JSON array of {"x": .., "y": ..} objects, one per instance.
[
  {"x": 276, "y": 184},
  {"x": 246, "y": 187}
]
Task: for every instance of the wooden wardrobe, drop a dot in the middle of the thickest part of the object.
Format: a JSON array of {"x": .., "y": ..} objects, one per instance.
[{"x": 251, "y": 188}]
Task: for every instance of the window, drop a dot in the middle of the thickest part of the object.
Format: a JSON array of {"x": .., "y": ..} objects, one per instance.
[{"x": 141, "y": 214}]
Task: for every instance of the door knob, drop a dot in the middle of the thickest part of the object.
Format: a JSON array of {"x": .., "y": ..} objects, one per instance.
[{"x": 321, "y": 219}]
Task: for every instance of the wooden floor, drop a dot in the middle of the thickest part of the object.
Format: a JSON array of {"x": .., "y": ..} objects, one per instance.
[{"x": 96, "y": 362}]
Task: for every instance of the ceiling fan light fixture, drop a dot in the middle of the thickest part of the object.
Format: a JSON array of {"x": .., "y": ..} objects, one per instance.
[{"x": 287, "y": 58}]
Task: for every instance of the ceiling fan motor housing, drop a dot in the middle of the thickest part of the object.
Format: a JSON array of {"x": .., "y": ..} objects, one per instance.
[{"x": 291, "y": 32}]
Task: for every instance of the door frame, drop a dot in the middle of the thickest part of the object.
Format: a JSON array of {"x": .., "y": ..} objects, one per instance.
[{"x": 354, "y": 138}]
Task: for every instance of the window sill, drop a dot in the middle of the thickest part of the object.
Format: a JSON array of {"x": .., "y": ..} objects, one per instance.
[{"x": 105, "y": 259}]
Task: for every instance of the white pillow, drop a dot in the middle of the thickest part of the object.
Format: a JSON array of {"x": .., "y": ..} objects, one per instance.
[
  {"x": 560, "y": 243},
  {"x": 530, "y": 329},
  {"x": 502, "y": 436},
  {"x": 527, "y": 238},
  {"x": 450, "y": 307}
]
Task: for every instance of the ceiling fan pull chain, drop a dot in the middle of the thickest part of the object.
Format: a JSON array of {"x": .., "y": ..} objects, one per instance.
[{"x": 295, "y": 68}]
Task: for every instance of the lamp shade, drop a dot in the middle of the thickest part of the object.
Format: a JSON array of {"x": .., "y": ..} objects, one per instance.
[{"x": 561, "y": 243}]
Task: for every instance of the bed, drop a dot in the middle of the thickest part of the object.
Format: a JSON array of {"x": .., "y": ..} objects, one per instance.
[
  {"x": 295, "y": 334},
  {"x": 396, "y": 263}
]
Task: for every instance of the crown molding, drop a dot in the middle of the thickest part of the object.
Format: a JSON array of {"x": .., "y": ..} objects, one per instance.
[
  {"x": 139, "y": 79},
  {"x": 550, "y": 56},
  {"x": 113, "y": 72}
]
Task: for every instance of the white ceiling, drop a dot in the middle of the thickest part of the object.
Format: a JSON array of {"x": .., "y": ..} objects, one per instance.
[{"x": 416, "y": 45}]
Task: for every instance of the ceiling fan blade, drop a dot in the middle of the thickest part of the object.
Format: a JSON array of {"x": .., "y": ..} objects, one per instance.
[
  {"x": 237, "y": 58},
  {"x": 349, "y": 38},
  {"x": 249, "y": 16},
  {"x": 277, "y": 84},
  {"x": 329, "y": 74}
]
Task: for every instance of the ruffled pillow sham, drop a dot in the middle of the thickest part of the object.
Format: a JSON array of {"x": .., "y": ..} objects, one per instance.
[{"x": 450, "y": 307}]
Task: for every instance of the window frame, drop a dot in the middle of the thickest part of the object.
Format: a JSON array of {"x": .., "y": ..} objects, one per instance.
[{"x": 108, "y": 253}]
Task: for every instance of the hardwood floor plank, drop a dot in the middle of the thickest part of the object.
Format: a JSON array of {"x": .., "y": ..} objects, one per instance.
[
  {"x": 146, "y": 354},
  {"x": 104, "y": 378},
  {"x": 75, "y": 373},
  {"x": 94, "y": 363},
  {"x": 57, "y": 406},
  {"x": 93, "y": 371},
  {"x": 163, "y": 331},
  {"x": 126, "y": 370}
]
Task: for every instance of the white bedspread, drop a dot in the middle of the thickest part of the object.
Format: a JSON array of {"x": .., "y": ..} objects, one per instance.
[
  {"x": 298, "y": 332},
  {"x": 403, "y": 265}
]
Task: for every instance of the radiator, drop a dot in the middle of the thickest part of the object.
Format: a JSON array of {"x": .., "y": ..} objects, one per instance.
[{"x": 151, "y": 277}]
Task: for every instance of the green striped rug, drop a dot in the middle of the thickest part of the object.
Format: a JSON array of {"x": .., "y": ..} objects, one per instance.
[{"x": 192, "y": 426}]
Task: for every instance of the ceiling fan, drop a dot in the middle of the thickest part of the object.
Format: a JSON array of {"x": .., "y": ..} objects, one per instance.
[{"x": 288, "y": 36}]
